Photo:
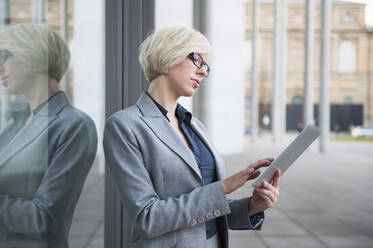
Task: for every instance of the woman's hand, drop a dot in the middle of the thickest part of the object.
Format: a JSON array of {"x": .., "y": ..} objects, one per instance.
[
  {"x": 235, "y": 181},
  {"x": 266, "y": 196}
]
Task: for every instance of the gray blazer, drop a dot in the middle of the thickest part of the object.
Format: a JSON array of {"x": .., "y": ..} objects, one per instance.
[
  {"x": 42, "y": 171},
  {"x": 164, "y": 199}
]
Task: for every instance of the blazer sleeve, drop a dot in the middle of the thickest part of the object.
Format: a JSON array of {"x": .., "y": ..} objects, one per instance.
[
  {"x": 150, "y": 216},
  {"x": 239, "y": 219},
  {"x": 60, "y": 187}
]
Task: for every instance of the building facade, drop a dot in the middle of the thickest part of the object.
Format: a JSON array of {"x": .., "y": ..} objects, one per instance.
[{"x": 351, "y": 68}]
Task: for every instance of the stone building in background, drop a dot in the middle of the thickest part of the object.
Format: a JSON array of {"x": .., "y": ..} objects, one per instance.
[
  {"x": 351, "y": 57},
  {"x": 351, "y": 85}
]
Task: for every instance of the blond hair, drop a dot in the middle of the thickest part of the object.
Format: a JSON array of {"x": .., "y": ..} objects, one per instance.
[
  {"x": 39, "y": 46},
  {"x": 167, "y": 47}
]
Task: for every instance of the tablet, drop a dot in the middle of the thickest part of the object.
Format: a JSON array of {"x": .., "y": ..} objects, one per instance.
[{"x": 290, "y": 154}]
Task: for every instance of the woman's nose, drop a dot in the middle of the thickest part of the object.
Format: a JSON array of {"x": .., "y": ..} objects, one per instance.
[{"x": 202, "y": 71}]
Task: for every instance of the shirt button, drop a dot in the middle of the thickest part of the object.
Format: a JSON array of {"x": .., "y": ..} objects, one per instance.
[
  {"x": 193, "y": 222},
  {"x": 209, "y": 215},
  {"x": 217, "y": 212},
  {"x": 201, "y": 219}
]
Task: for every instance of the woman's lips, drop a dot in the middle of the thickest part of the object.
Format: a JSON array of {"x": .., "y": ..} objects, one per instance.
[
  {"x": 195, "y": 83},
  {"x": 196, "y": 80}
]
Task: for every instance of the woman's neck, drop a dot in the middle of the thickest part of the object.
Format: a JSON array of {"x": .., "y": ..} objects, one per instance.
[
  {"x": 160, "y": 91},
  {"x": 42, "y": 89}
]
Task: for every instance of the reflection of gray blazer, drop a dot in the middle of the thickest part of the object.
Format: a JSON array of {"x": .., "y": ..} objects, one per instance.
[
  {"x": 42, "y": 171},
  {"x": 165, "y": 201}
]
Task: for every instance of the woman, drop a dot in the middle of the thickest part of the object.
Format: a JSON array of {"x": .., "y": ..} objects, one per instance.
[
  {"x": 169, "y": 176},
  {"x": 45, "y": 157}
]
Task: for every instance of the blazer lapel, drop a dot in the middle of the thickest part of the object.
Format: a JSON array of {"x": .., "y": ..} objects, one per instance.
[
  {"x": 220, "y": 171},
  {"x": 37, "y": 125},
  {"x": 163, "y": 130}
]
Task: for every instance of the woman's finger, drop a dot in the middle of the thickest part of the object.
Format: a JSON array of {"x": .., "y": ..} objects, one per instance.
[
  {"x": 254, "y": 174},
  {"x": 261, "y": 163},
  {"x": 276, "y": 178},
  {"x": 265, "y": 197},
  {"x": 271, "y": 188},
  {"x": 267, "y": 194},
  {"x": 264, "y": 191},
  {"x": 248, "y": 170}
]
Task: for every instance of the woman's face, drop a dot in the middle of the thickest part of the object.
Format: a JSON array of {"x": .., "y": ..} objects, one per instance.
[
  {"x": 186, "y": 77},
  {"x": 15, "y": 75}
]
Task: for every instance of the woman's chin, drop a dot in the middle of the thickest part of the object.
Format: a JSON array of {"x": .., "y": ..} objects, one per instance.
[
  {"x": 13, "y": 90},
  {"x": 189, "y": 93}
]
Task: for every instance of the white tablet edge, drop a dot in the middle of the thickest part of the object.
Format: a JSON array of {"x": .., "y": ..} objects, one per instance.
[{"x": 290, "y": 154}]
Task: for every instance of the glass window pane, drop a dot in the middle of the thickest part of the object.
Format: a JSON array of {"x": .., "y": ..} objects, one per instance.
[{"x": 52, "y": 113}]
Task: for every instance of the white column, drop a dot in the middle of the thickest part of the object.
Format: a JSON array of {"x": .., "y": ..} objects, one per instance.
[
  {"x": 65, "y": 37},
  {"x": 309, "y": 64},
  {"x": 38, "y": 11},
  {"x": 4, "y": 15},
  {"x": 224, "y": 91},
  {"x": 324, "y": 112},
  {"x": 276, "y": 98},
  {"x": 283, "y": 66},
  {"x": 88, "y": 63},
  {"x": 254, "y": 73},
  {"x": 175, "y": 13}
]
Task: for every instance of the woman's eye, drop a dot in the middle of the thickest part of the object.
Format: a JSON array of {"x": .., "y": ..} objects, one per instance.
[{"x": 198, "y": 60}]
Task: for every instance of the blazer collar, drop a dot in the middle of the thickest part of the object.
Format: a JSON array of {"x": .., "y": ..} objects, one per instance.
[
  {"x": 153, "y": 117},
  {"x": 54, "y": 105},
  {"x": 37, "y": 125},
  {"x": 147, "y": 106}
]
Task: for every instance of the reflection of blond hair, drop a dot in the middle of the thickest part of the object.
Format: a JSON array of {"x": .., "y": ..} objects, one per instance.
[
  {"x": 39, "y": 46},
  {"x": 168, "y": 47}
]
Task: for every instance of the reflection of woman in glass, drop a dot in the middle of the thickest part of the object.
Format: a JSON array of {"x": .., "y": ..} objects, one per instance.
[
  {"x": 170, "y": 177},
  {"x": 43, "y": 163}
]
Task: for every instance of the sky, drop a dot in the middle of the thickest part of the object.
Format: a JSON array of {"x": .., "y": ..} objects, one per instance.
[{"x": 368, "y": 10}]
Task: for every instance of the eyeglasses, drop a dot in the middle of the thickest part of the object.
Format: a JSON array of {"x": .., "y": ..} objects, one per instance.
[
  {"x": 199, "y": 62},
  {"x": 4, "y": 56}
]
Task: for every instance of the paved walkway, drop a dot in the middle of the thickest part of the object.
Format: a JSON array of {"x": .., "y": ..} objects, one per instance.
[{"x": 326, "y": 200}]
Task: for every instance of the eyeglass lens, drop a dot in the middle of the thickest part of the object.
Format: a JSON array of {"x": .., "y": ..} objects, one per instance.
[{"x": 198, "y": 61}]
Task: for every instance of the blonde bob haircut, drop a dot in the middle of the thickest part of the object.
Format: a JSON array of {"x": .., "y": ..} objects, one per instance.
[
  {"x": 168, "y": 47},
  {"x": 38, "y": 46}
]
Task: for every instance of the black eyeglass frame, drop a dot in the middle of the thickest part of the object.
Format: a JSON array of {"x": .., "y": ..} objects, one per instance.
[
  {"x": 191, "y": 56},
  {"x": 4, "y": 56}
]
